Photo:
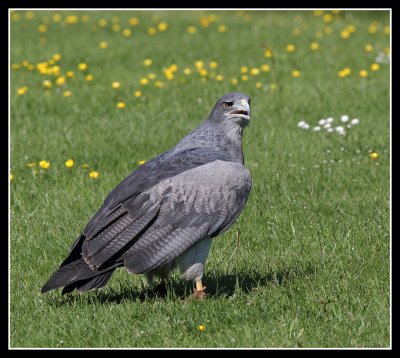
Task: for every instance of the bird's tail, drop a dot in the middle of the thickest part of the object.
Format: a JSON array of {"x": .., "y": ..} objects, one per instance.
[{"x": 77, "y": 274}]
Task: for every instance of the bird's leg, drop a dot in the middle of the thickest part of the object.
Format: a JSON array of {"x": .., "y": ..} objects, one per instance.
[{"x": 199, "y": 291}]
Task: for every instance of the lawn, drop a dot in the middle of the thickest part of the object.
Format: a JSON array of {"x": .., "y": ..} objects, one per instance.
[{"x": 312, "y": 268}]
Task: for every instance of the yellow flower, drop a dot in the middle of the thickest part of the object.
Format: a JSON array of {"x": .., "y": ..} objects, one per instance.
[
  {"x": 386, "y": 30},
  {"x": 47, "y": 84},
  {"x": 234, "y": 81},
  {"x": 70, "y": 74},
  {"x": 11, "y": 177},
  {"x": 244, "y": 78},
  {"x": 115, "y": 19},
  {"x": 169, "y": 75},
  {"x": 67, "y": 94},
  {"x": 351, "y": 28},
  {"x": 116, "y": 27},
  {"x": 22, "y": 90},
  {"x": 173, "y": 67},
  {"x": 31, "y": 165},
  {"x": 191, "y": 30},
  {"x": 121, "y": 105},
  {"x": 219, "y": 78},
  {"x": 134, "y": 21},
  {"x": 55, "y": 70},
  {"x": 222, "y": 28},
  {"x": 115, "y": 85},
  {"x": 327, "y": 18},
  {"x": 187, "y": 71},
  {"x": 345, "y": 34},
  {"x": 42, "y": 28},
  {"x": 140, "y": 162},
  {"x": 89, "y": 77},
  {"x": 15, "y": 66},
  {"x": 374, "y": 155},
  {"x": 85, "y": 166},
  {"x": 265, "y": 67},
  {"x": 71, "y": 19},
  {"x": 368, "y": 48},
  {"x": 93, "y": 174},
  {"x": 213, "y": 64},
  {"x": 268, "y": 53},
  {"x": 386, "y": 50},
  {"x": 254, "y": 71},
  {"x": 347, "y": 71},
  {"x": 296, "y": 73},
  {"x": 60, "y": 80},
  {"x": 29, "y": 15},
  {"x": 137, "y": 93},
  {"x": 259, "y": 84},
  {"x": 103, "y": 44},
  {"x": 363, "y": 73},
  {"x": 328, "y": 30},
  {"x": 199, "y": 64},
  {"x": 158, "y": 84},
  {"x": 57, "y": 57},
  {"x": 148, "y": 62},
  {"x": 69, "y": 163},
  {"x": 102, "y": 22},
  {"x": 372, "y": 29},
  {"x": 244, "y": 69},
  {"x": 201, "y": 327},
  {"x": 203, "y": 72},
  {"x": 274, "y": 86},
  {"x": 82, "y": 66},
  {"x": 85, "y": 18},
  {"x": 144, "y": 81},
  {"x": 151, "y": 76},
  {"x": 342, "y": 74},
  {"x": 127, "y": 32},
  {"x": 375, "y": 67},
  {"x": 290, "y": 48},
  {"x": 44, "y": 164},
  {"x": 162, "y": 26},
  {"x": 314, "y": 46},
  {"x": 152, "y": 30},
  {"x": 56, "y": 17}
]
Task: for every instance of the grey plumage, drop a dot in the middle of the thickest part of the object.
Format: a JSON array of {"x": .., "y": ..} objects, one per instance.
[{"x": 165, "y": 213}]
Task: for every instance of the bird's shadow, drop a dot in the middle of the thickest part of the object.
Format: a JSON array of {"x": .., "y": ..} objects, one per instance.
[{"x": 218, "y": 285}]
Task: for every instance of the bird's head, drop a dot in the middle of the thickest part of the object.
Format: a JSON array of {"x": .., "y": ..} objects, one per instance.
[{"x": 232, "y": 108}]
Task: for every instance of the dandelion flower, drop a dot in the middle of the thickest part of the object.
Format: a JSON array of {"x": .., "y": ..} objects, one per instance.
[
  {"x": 31, "y": 165},
  {"x": 244, "y": 69},
  {"x": 372, "y": 29},
  {"x": 368, "y": 48},
  {"x": 44, "y": 164},
  {"x": 187, "y": 71},
  {"x": 69, "y": 163},
  {"x": 375, "y": 67},
  {"x": 191, "y": 30},
  {"x": 213, "y": 64},
  {"x": 268, "y": 53},
  {"x": 148, "y": 62},
  {"x": 102, "y": 22},
  {"x": 116, "y": 27},
  {"x": 314, "y": 46},
  {"x": 11, "y": 176},
  {"x": 162, "y": 26},
  {"x": 265, "y": 67},
  {"x": 244, "y": 78},
  {"x": 70, "y": 74},
  {"x": 327, "y": 18},
  {"x": 140, "y": 162},
  {"x": 345, "y": 34},
  {"x": 67, "y": 94},
  {"x": 219, "y": 78},
  {"x": 57, "y": 18},
  {"x": 201, "y": 327},
  {"x": 60, "y": 81},
  {"x": 121, "y": 105},
  {"x": 386, "y": 30},
  {"x": 93, "y": 174},
  {"x": 137, "y": 93},
  {"x": 296, "y": 73},
  {"x": 89, "y": 77},
  {"x": 151, "y": 31},
  {"x": 259, "y": 85},
  {"x": 363, "y": 73},
  {"x": 57, "y": 57},
  {"x": 158, "y": 84},
  {"x": 290, "y": 48},
  {"x": 115, "y": 85},
  {"x": 82, "y": 66},
  {"x": 134, "y": 21},
  {"x": 374, "y": 155},
  {"x": 144, "y": 81},
  {"x": 254, "y": 71},
  {"x": 22, "y": 90},
  {"x": 103, "y": 44},
  {"x": 127, "y": 32},
  {"x": 47, "y": 84},
  {"x": 234, "y": 81},
  {"x": 42, "y": 28},
  {"x": 222, "y": 28}
]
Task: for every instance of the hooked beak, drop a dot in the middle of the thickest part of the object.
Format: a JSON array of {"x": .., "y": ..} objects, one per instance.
[{"x": 241, "y": 110}]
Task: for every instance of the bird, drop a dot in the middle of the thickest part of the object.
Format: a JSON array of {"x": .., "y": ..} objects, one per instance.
[{"x": 165, "y": 214}]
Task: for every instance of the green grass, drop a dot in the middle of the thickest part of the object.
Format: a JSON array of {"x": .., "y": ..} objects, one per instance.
[{"x": 313, "y": 265}]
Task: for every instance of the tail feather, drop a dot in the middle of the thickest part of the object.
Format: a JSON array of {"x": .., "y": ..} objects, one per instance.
[{"x": 78, "y": 274}]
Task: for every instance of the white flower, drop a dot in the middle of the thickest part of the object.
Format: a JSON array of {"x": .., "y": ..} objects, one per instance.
[
  {"x": 355, "y": 121},
  {"x": 321, "y": 122},
  {"x": 344, "y": 118},
  {"x": 328, "y": 125},
  {"x": 329, "y": 120},
  {"x": 349, "y": 126},
  {"x": 339, "y": 129},
  {"x": 316, "y": 128},
  {"x": 306, "y": 126},
  {"x": 301, "y": 124},
  {"x": 330, "y": 130}
]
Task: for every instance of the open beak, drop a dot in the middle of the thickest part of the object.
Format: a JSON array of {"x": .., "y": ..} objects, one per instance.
[{"x": 241, "y": 110}]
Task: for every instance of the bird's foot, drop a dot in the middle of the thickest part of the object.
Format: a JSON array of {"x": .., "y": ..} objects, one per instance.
[{"x": 200, "y": 294}]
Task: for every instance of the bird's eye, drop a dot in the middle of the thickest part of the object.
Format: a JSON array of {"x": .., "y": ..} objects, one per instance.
[{"x": 228, "y": 104}]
